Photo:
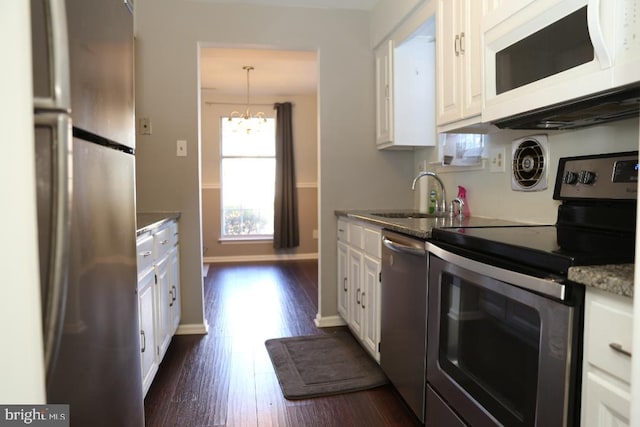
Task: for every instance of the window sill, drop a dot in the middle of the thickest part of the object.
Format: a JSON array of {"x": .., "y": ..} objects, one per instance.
[{"x": 246, "y": 240}]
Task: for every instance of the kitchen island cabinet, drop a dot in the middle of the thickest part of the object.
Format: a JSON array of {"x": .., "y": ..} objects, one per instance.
[{"x": 158, "y": 259}]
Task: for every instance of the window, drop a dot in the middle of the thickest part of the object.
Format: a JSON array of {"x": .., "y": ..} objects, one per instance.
[{"x": 247, "y": 181}]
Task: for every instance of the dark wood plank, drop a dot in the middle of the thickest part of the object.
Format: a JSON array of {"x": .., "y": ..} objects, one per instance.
[{"x": 226, "y": 378}]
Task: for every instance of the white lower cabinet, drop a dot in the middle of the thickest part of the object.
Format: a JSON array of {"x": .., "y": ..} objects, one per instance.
[
  {"x": 359, "y": 281},
  {"x": 606, "y": 390},
  {"x": 158, "y": 296}
]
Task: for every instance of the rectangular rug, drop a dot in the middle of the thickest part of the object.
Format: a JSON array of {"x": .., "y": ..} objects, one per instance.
[{"x": 322, "y": 365}]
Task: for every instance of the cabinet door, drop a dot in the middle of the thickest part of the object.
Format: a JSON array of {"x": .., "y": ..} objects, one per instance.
[
  {"x": 146, "y": 312},
  {"x": 163, "y": 298},
  {"x": 448, "y": 62},
  {"x": 384, "y": 93},
  {"x": 604, "y": 404},
  {"x": 174, "y": 290},
  {"x": 370, "y": 304},
  {"x": 343, "y": 283},
  {"x": 355, "y": 291},
  {"x": 471, "y": 46}
]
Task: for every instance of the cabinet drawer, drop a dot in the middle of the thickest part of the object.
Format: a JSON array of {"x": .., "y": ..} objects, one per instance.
[
  {"x": 174, "y": 233},
  {"x": 144, "y": 250},
  {"x": 343, "y": 232},
  {"x": 372, "y": 241},
  {"x": 610, "y": 322},
  {"x": 162, "y": 242},
  {"x": 355, "y": 235}
]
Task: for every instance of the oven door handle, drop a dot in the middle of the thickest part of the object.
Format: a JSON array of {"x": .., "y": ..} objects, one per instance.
[{"x": 551, "y": 287}]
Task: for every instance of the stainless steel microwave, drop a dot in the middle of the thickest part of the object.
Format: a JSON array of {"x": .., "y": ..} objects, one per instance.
[{"x": 559, "y": 64}]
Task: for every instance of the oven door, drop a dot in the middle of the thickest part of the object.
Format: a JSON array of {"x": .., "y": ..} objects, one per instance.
[{"x": 499, "y": 354}]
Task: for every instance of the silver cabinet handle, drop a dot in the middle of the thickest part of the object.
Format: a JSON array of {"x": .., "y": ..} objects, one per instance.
[
  {"x": 358, "y": 296},
  {"x": 344, "y": 284},
  {"x": 456, "y": 43},
  {"x": 362, "y": 300},
  {"x": 462, "y": 43},
  {"x": 144, "y": 341},
  {"x": 145, "y": 253},
  {"x": 619, "y": 349},
  {"x": 164, "y": 242},
  {"x": 57, "y": 282},
  {"x": 175, "y": 293},
  {"x": 56, "y": 16},
  {"x": 172, "y": 298}
]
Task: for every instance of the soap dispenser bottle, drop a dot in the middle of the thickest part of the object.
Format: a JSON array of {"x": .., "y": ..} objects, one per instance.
[{"x": 462, "y": 194}]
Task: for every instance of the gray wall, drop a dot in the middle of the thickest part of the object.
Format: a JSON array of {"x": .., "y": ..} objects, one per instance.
[{"x": 351, "y": 172}]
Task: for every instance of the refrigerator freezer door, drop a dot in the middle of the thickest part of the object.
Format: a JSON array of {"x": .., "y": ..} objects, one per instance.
[
  {"x": 101, "y": 52},
  {"x": 98, "y": 366}
]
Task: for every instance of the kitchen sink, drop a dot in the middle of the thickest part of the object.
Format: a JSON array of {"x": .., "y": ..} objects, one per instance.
[{"x": 402, "y": 215}]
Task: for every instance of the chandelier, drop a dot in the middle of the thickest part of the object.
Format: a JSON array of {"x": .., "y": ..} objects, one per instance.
[{"x": 247, "y": 122}]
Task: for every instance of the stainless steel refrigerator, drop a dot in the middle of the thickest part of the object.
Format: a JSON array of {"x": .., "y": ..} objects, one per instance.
[{"x": 84, "y": 126}]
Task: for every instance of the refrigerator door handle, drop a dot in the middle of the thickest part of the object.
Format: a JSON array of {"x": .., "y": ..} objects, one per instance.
[
  {"x": 56, "y": 22},
  {"x": 61, "y": 188}
]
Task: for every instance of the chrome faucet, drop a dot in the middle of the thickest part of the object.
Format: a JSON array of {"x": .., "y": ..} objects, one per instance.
[{"x": 441, "y": 207}]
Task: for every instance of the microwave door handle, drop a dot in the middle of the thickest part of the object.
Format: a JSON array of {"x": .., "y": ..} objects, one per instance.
[
  {"x": 595, "y": 33},
  {"x": 57, "y": 282},
  {"x": 57, "y": 39}
]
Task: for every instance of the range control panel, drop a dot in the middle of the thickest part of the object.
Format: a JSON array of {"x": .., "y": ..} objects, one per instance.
[{"x": 601, "y": 177}]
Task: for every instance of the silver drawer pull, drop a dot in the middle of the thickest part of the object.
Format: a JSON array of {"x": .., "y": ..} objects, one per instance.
[
  {"x": 145, "y": 253},
  {"x": 618, "y": 348},
  {"x": 164, "y": 242}
]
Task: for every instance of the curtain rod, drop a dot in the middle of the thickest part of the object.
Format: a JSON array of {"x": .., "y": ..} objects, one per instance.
[{"x": 241, "y": 103}]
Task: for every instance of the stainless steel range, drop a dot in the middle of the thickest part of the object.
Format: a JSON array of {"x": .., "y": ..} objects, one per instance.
[{"x": 504, "y": 322}]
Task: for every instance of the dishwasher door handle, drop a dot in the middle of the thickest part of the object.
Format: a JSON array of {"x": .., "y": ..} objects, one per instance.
[{"x": 402, "y": 247}]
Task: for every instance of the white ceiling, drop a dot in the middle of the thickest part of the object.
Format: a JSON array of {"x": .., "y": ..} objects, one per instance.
[{"x": 276, "y": 72}]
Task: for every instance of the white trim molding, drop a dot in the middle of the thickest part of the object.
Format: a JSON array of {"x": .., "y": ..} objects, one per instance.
[
  {"x": 193, "y": 329},
  {"x": 216, "y": 185},
  {"x": 260, "y": 258},
  {"x": 328, "y": 321}
]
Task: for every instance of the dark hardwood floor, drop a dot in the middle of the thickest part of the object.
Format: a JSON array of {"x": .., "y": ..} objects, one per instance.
[{"x": 226, "y": 378}]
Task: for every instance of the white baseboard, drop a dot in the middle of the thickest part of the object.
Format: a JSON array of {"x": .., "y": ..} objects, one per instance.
[
  {"x": 260, "y": 258},
  {"x": 193, "y": 329},
  {"x": 329, "y": 321}
]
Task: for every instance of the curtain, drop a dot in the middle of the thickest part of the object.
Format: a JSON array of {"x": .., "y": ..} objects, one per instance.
[{"x": 285, "y": 225}]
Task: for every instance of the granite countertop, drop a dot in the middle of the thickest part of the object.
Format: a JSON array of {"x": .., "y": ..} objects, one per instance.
[
  {"x": 617, "y": 279},
  {"x": 150, "y": 220},
  {"x": 421, "y": 227}
]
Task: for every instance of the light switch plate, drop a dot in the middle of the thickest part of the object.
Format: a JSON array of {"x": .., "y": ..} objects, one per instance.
[
  {"x": 497, "y": 159},
  {"x": 144, "y": 126},
  {"x": 181, "y": 148}
]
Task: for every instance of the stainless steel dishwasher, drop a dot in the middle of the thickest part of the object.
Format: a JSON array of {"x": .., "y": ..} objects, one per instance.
[{"x": 403, "y": 337}]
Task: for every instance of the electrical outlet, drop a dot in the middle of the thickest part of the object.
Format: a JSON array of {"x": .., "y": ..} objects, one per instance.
[
  {"x": 181, "y": 148},
  {"x": 144, "y": 125},
  {"x": 497, "y": 159}
]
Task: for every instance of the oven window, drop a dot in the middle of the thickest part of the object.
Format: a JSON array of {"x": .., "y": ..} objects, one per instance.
[
  {"x": 558, "y": 47},
  {"x": 490, "y": 345}
]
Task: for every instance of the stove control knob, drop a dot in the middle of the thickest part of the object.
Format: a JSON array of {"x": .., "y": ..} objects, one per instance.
[
  {"x": 570, "y": 178},
  {"x": 586, "y": 177}
]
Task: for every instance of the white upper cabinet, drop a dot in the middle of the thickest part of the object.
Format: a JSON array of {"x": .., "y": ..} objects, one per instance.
[
  {"x": 384, "y": 93},
  {"x": 459, "y": 62},
  {"x": 405, "y": 85}
]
